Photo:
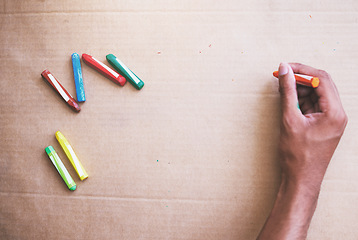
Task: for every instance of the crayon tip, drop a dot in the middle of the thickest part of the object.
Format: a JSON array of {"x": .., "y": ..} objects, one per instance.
[
  {"x": 140, "y": 85},
  {"x": 78, "y": 109},
  {"x": 75, "y": 55},
  {"x": 45, "y": 72},
  {"x": 74, "y": 105},
  {"x": 84, "y": 177},
  {"x": 315, "y": 82},
  {"x": 73, "y": 188}
]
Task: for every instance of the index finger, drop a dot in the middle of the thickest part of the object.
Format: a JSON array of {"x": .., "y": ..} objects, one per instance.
[{"x": 326, "y": 91}]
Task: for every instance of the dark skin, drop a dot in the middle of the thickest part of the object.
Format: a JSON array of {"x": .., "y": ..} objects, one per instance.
[{"x": 308, "y": 139}]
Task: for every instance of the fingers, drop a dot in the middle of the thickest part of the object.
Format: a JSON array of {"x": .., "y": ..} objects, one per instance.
[
  {"x": 304, "y": 69},
  {"x": 307, "y": 105},
  {"x": 308, "y": 99},
  {"x": 288, "y": 91},
  {"x": 327, "y": 92},
  {"x": 304, "y": 91}
]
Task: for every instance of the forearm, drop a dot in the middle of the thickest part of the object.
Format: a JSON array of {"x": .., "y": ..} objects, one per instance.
[{"x": 291, "y": 214}]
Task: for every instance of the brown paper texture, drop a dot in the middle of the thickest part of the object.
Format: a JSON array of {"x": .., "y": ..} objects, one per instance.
[{"x": 193, "y": 155}]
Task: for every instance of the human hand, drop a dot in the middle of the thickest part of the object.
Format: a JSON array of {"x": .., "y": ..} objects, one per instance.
[
  {"x": 308, "y": 138},
  {"x": 309, "y": 135}
]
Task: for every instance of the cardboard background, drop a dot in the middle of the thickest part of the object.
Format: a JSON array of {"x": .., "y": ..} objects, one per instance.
[{"x": 193, "y": 155}]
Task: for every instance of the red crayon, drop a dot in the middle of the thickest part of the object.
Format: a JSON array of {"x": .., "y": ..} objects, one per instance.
[
  {"x": 61, "y": 90},
  {"x": 103, "y": 69}
]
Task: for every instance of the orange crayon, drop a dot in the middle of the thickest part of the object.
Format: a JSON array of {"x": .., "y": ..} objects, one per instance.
[{"x": 303, "y": 79}]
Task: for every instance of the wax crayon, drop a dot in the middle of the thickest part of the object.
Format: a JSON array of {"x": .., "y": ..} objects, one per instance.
[
  {"x": 61, "y": 90},
  {"x": 303, "y": 79},
  {"x": 77, "y": 74},
  {"x": 71, "y": 155},
  {"x": 125, "y": 71},
  {"x": 56, "y": 161},
  {"x": 103, "y": 69}
]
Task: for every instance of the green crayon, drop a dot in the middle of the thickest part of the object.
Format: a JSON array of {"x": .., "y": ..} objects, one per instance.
[
  {"x": 55, "y": 159},
  {"x": 125, "y": 71}
]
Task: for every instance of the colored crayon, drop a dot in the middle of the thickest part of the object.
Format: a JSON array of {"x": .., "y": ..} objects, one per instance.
[
  {"x": 125, "y": 71},
  {"x": 56, "y": 161},
  {"x": 71, "y": 155},
  {"x": 61, "y": 90},
  {"x": 77, "y": 74},
  {"x": 303, "y": 79},
  {"x": 103, "y": 69}
]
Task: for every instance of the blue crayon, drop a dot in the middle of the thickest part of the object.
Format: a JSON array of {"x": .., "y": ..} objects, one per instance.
[{"x": 77, "y": 73}]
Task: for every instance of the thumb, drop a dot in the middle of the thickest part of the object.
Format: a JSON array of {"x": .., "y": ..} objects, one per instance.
[{"x": 288, "y": 93}]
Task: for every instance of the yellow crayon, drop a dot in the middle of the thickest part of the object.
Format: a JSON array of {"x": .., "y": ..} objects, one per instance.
[{"x": 71, "y": 156}]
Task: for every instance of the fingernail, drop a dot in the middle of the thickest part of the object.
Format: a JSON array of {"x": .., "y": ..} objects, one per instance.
[{"x": 282, "y": 69}]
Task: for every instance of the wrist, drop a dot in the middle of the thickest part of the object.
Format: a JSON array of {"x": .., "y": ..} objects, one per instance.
[
  {"x": 292, "y": 212},
  {"x": 299, "y": 188},
  {"x": 303, "y": 173}
]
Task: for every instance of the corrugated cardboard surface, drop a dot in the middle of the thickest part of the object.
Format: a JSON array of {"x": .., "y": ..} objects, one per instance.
[{"x": 193, "y": 155}]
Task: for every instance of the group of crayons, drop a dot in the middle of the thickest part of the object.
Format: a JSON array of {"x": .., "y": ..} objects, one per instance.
[
  {"x": 120, "y": 77},
  {"x": 71, "y": 155},
  {"x": 117, "y": 78}
]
